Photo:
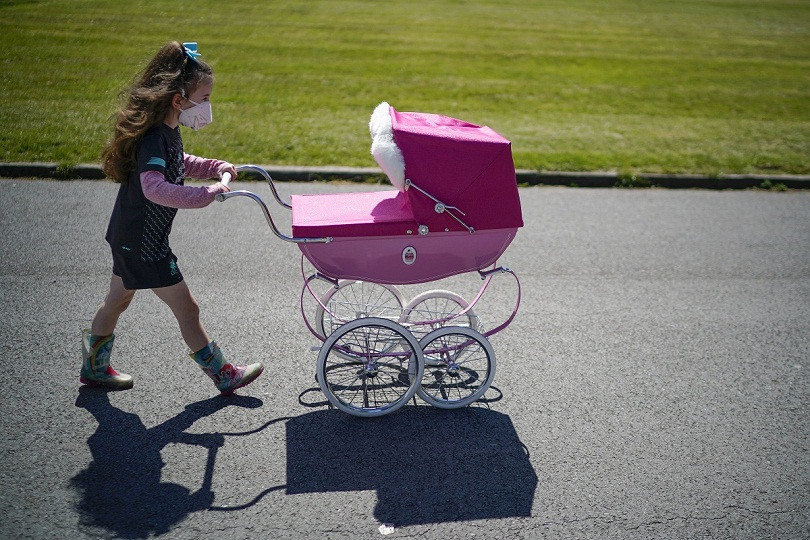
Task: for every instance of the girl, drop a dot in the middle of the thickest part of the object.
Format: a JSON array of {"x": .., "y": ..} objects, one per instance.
[{"x": 146, "y": 157}]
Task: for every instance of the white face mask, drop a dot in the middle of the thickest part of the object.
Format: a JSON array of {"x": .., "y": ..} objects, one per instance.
[{"x": 198, "y": 116}]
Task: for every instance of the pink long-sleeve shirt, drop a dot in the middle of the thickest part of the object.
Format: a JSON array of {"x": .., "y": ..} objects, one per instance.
[{"x": 159, "y": 191}]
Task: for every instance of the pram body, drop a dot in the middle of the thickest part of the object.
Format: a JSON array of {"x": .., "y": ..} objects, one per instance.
[{"x": 455, "y": 209}]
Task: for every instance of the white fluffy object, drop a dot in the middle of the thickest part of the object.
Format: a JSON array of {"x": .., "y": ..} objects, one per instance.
[
  {"x": 383, "y": 147},
  {"x": 380, "y": 120}
]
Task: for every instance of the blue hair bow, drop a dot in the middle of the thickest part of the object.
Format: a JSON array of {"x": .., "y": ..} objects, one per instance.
[{"x": 190, "y": 49}]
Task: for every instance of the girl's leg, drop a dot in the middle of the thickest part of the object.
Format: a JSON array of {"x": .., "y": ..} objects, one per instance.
[
  {"x": 116, "y": 302},
  {"x": 205, "y": 353},
  {"x": 187, "y": 312},
  {"x": 97, "y": 341}
]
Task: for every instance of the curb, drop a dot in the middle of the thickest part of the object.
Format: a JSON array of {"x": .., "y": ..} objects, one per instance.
[
  {"x": 670, "y": 181},
  {"x": 284, "y": 173}
]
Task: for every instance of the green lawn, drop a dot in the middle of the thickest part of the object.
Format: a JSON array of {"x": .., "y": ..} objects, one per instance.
[{"x": 700, "y": 86}]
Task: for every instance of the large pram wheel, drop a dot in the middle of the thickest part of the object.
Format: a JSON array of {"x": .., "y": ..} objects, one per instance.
[
  {"x": 421, "y": 314},
  {"x": 459, "y": 367},
  {"x": 352, "y": 300},
  {"x": 370, "y": 367}
]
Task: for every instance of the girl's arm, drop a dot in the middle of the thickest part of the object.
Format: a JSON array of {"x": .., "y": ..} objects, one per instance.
[
  {"x": 159, "y": 191},
  {"x": 197, "y": 167}
]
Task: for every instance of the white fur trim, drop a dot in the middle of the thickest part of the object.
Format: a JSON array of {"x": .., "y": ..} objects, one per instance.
[
  {"x": 380, "y": 119},
  {"x": 383, "y": 147}
]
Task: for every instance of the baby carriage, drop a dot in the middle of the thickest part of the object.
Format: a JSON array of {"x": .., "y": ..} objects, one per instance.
[{"x": 455, "y": 210}]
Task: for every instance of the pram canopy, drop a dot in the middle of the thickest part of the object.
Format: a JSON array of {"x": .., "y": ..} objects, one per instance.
[{"x": 461, "y": 164}]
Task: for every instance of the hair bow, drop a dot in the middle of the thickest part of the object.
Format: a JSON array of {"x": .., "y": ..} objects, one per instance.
[{"x": 190, "y": 49}]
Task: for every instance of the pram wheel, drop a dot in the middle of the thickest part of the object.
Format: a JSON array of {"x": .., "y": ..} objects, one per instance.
[
  {"x": 459, "y": 367},
  {"x": 370, "y": 367},
  {"x": 352, "y": 300},
  {"x": 425, "y": 312}
]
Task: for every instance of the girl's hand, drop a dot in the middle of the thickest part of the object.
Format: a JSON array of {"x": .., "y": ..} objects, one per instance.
[{"x": 227, "y": 168}]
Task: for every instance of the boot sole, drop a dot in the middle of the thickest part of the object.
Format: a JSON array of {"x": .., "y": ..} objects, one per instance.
[{"x": 99, "y": 384}]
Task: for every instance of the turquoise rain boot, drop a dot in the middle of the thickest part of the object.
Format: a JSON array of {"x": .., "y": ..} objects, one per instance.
[
  {"x": 226, "y": 377},
  {"x": 96, "y": 368}
]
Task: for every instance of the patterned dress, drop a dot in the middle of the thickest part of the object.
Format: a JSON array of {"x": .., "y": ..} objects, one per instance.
[{"x": 139, "y": 227}]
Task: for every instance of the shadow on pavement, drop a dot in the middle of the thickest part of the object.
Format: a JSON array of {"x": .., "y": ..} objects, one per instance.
[
  {"x": 121, "y": 488},
  {"x": 426, "y": 465}
]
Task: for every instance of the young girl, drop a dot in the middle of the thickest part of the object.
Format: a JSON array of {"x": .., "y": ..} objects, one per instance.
[{"x": 146, "y": 157}]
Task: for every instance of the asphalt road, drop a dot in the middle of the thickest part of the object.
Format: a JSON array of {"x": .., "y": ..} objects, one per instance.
[{"x": 654, "y": 384}]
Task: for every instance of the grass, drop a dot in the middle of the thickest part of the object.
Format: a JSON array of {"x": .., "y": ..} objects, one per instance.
[{"x": 660, "y": 86}]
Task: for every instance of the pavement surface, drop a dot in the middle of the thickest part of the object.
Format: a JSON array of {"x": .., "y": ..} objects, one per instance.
[{"x": 654, "y": 384}]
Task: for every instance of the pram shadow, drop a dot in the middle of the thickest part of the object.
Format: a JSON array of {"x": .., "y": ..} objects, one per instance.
[
  {"x": 426, "y": 465},
  {"x": 121, "y": 488}
]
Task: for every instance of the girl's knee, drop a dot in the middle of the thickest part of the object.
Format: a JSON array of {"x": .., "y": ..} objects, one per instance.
[
  {"x": 186, "y": 310},
  {"x": 192, "y": 309},
  {"x": 119, "y": 302},
  {"x": 124, "y": 302}
]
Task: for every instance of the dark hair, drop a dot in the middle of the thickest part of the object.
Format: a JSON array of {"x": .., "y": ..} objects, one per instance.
[{"x": 148, "y": 101}]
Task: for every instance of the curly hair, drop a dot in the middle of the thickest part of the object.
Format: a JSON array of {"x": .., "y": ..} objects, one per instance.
[{"x": 147, "y": 102}]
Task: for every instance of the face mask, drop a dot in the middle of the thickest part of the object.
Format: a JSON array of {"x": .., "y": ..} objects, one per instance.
[{"x": 196, "y": 117}]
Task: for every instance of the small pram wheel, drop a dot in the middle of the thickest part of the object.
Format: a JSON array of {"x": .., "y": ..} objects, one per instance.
[
  {"x": 459, "y": 367},
  {"x": 370, "y": 367},
  {"x": 420, "y": 314},
  {"x": 352, "y": 300}
]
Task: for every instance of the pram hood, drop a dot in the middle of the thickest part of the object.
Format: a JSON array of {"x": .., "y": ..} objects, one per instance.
[{"x": 460, "y": 164}]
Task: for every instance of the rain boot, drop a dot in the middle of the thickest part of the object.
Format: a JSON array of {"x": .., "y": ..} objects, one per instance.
[
  {"x": 226, "y": 376},
  {"x": 96, "y": 368}
]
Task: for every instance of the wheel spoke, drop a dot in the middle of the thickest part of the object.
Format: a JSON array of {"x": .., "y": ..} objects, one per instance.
[
  {"x": 435, "y": 309},
  {"x": 460, "y": 367},
  {"x": 356, "y": 299},
  {"x": 385, "y": 372}
]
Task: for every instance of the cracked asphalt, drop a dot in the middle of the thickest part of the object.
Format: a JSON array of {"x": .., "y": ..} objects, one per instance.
[{"x": 653, "y": 385}]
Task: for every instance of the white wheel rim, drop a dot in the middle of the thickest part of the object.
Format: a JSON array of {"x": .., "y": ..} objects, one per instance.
[
  {"x": 367, "y": 380},
  {"x": 457, "y": 381}
]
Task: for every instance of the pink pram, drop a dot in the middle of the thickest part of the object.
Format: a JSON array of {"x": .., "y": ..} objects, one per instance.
[{"x": 456, "y": 209}]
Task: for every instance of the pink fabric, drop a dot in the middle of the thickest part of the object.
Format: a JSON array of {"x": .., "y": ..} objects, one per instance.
[
  {"x": 376, "y": 213},
  {"x": 203, "y": 168},
  {"x": 462, "y": 165},
  {"x": 159, "y": 191},
  {"x": 380, "y": 258}
]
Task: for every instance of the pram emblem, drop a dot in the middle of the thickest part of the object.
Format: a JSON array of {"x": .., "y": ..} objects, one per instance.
[{"x": 409, "y": 255}]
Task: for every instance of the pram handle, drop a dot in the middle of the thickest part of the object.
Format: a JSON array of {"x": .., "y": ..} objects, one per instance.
[
  {"x": 226, "y": 179},
  {"x": 264, "y": 174},
  {"x": 243, "y": 193}
]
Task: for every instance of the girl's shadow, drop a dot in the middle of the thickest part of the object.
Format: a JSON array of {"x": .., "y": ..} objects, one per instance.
[{"x": 121, "y": 488}]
